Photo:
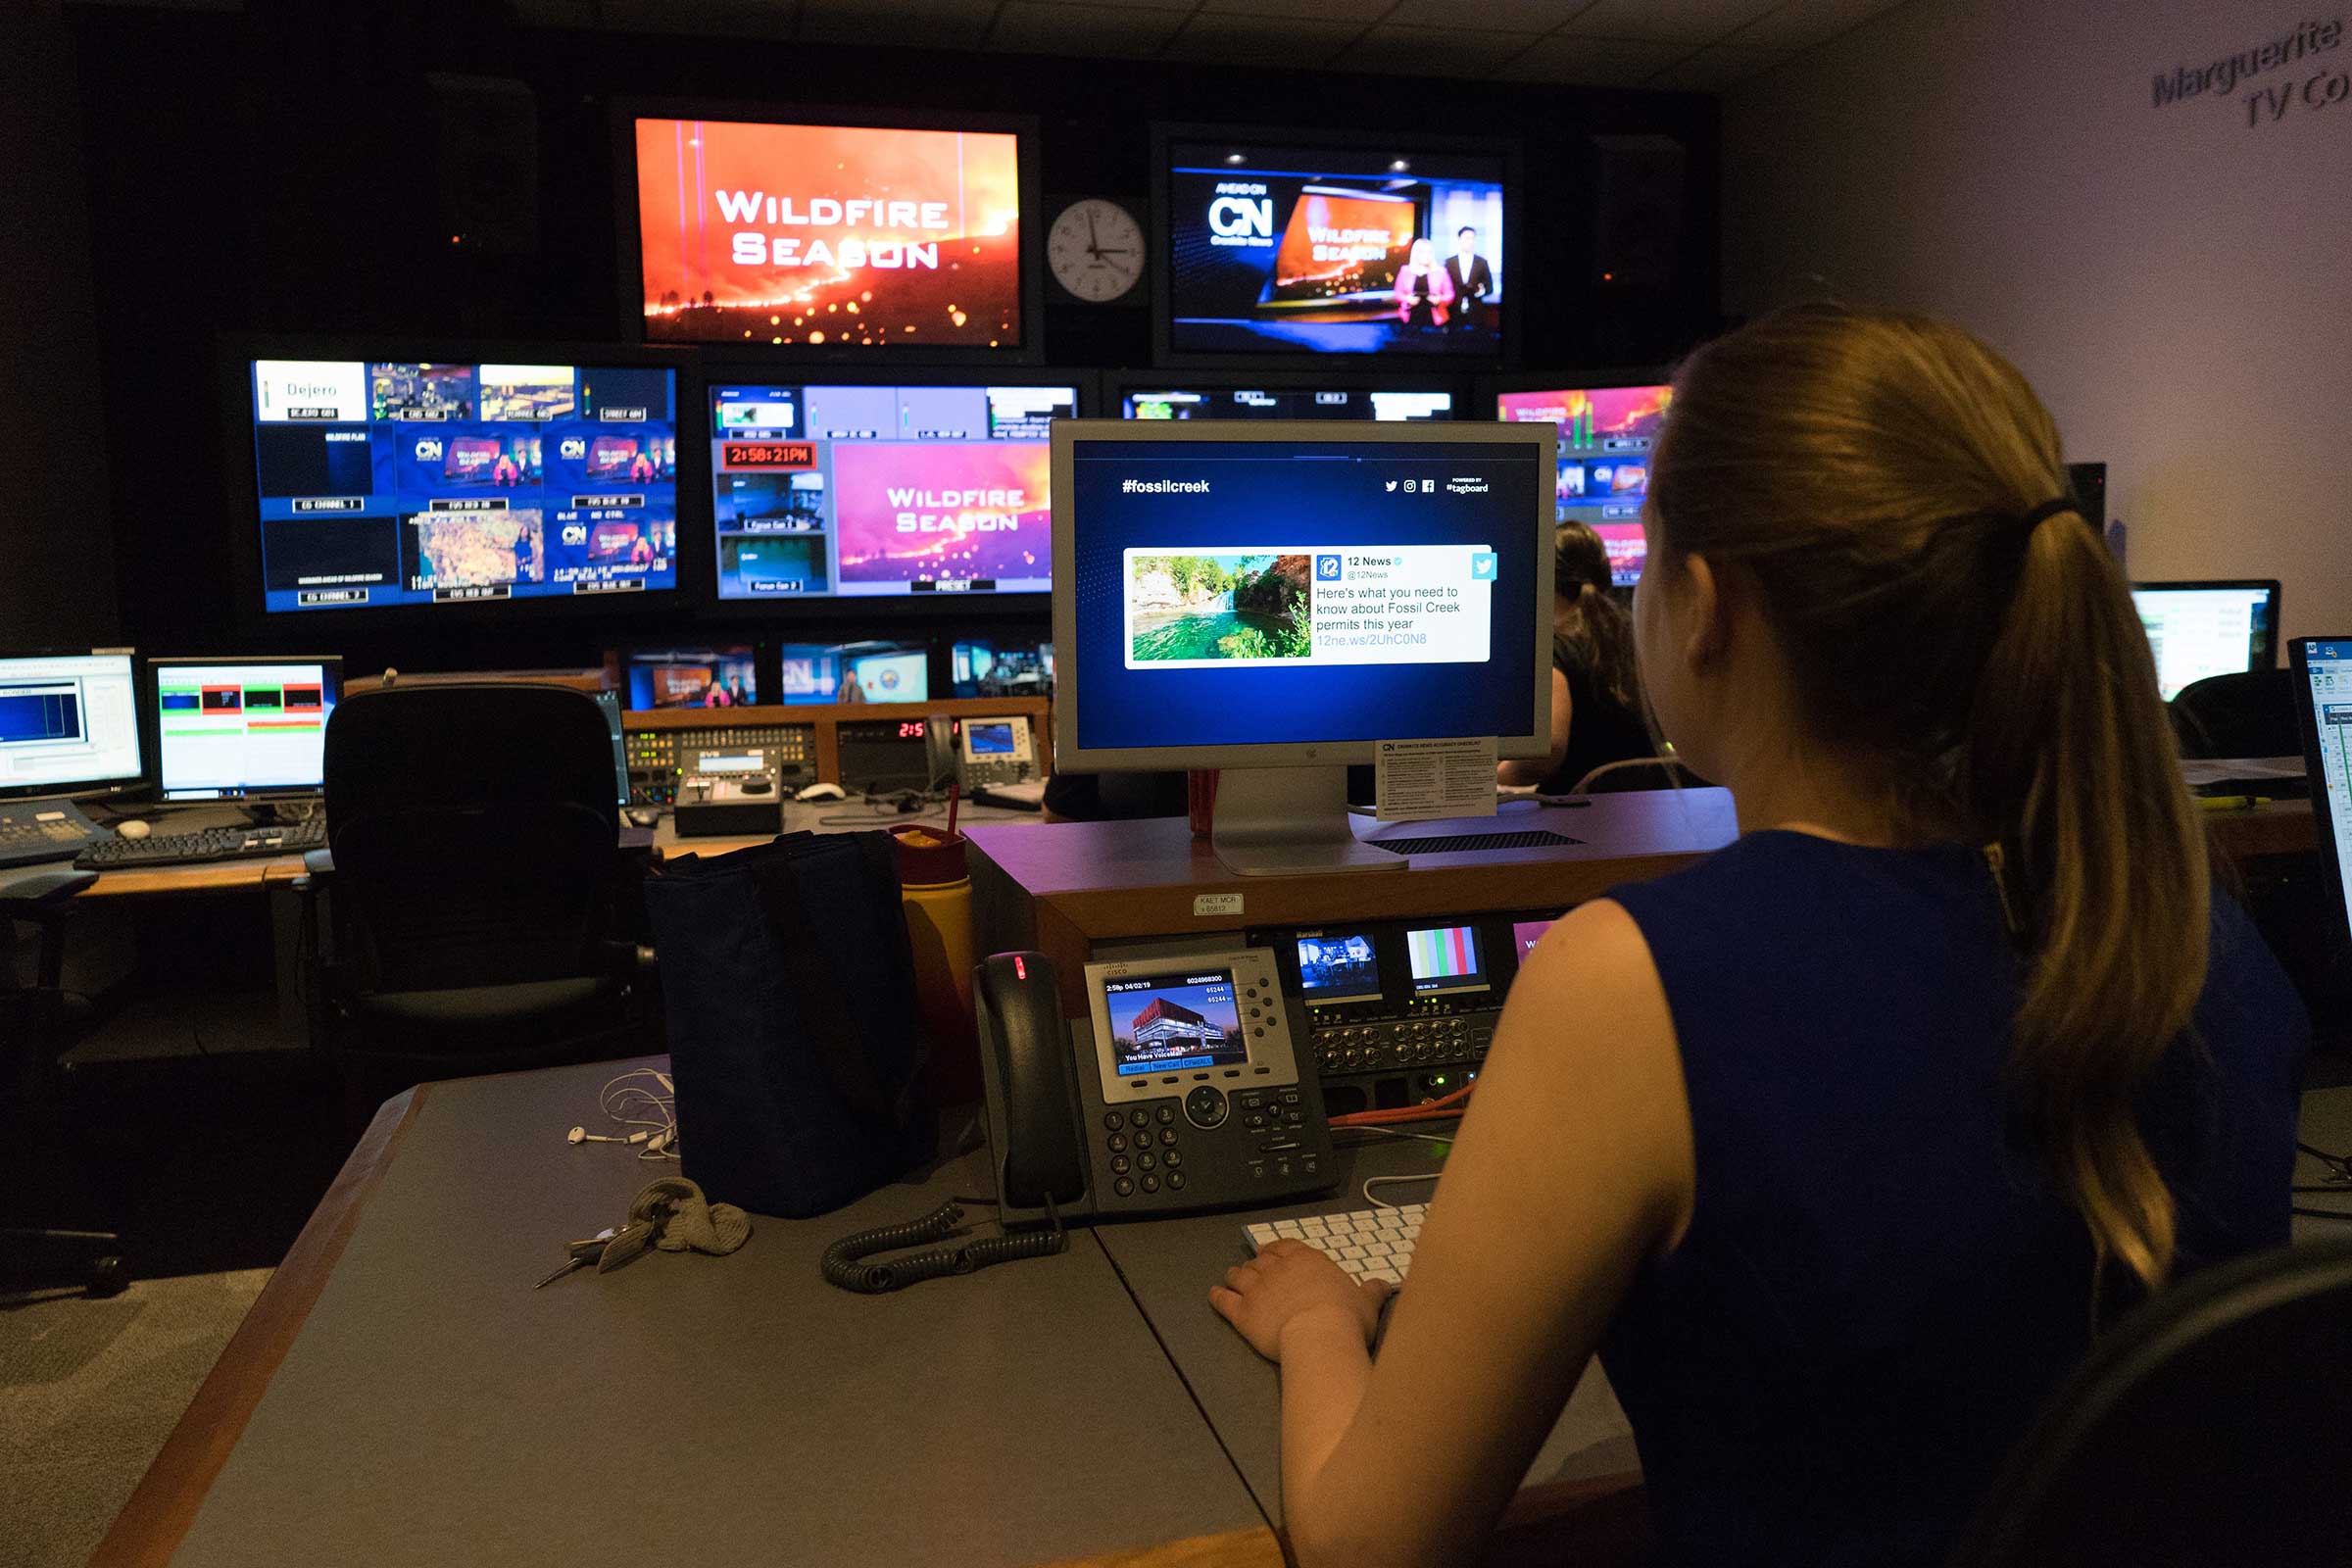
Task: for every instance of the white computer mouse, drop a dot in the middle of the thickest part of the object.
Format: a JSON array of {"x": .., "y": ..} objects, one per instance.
[
  {"x": 132, "y": 830},
  {"x": 822, "y": 792}
]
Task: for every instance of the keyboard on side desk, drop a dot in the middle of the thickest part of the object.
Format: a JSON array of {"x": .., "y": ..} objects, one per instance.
[
  {"x": 208, "y": 843},
  {"x": 1370, "y": 1243}
]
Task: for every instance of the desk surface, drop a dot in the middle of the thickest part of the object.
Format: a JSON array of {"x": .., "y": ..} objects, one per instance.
[{"x": 431, "y": 1408}]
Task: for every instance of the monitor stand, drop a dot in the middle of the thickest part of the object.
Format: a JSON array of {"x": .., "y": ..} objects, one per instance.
[{"x": 1290, "y": 821}]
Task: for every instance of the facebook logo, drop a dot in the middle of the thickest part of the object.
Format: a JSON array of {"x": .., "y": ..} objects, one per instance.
[
  {"x": 1482, "y": 565},
  {"x": 1327, "y": 568}
]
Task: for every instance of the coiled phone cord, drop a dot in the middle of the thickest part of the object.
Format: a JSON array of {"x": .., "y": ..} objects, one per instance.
[{"x": 842, "y": 1267}]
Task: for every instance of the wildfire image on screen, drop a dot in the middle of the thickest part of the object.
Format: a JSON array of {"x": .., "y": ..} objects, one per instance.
[
  {"x": 1339, "y": 246},
  {"x": 829, "y": 234},
  {"x": 962, "y": 510}
]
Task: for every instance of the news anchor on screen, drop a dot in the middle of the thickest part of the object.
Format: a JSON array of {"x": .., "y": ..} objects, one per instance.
[
  {"x": 1472, "y": 279},
  {"x": 1424, "y": 293}
]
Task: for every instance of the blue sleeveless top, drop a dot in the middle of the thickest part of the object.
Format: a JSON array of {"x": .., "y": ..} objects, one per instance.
[{"x": 1879, "y": 1287}]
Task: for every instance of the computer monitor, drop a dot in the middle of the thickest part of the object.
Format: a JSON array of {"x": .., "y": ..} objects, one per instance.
[
  {"x": 1184, "y": 397},
  {"x": 233, "y": 729},
  {"x": 1606, "y": 434},
  {"x": 69, "y": 725},
  {"x": 704, "y": 676},
  {"x": 1277, "y": 600},
  {"x": 852, "y": 489},
  {"x": 386, "y": 483},
  {"x": 2322, "y": 667},
  {"x": 2197, "y": 630}
]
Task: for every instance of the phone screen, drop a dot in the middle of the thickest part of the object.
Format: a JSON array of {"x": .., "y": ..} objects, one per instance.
[{"x": 1171, "y": 1022}]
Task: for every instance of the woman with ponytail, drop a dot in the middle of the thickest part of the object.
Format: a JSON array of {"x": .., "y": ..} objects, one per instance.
[
  {"x": 1596, "y": 712},
  {"x": 1841, "y": 1146}
]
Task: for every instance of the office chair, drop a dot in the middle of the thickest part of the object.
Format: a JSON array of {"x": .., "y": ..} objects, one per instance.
[
  {"x": 472, "y": 835},
  {"x": 38, "y": 1019},
  {"x": 1637, "y": 773},
  {"x": 2211, "y": 1426},
  {"x": 2251, "y": 714}
]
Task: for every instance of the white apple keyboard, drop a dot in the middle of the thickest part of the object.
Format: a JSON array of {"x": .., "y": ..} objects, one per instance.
[{"x": 1370, "y": 1243}]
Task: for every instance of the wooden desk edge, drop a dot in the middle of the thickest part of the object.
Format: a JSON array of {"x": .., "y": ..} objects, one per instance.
[{"x": 156, "y": 1519}]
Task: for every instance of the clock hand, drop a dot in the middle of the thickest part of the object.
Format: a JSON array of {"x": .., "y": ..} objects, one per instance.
[{"x": 1093, "y": 241}]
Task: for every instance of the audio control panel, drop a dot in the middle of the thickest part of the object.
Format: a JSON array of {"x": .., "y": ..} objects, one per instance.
[
  {"x": 1400, "y": 1012},
  {"x": 660, "y": 761}
]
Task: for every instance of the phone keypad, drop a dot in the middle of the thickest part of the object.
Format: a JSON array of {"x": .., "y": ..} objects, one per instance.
[{"x": 1140, "y": 1161}]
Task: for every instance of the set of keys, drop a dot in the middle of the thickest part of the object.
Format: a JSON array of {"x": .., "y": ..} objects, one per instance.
[{"x": 603, "y": 1252}]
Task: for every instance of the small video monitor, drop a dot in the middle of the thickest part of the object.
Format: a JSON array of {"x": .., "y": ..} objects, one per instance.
[
  {"x": 2199, "y": 629},
  {"x": 1338, "y": 966},
  {"x": 1606, "y": 434},
  {"x": 1527, "y": 932},
  {"x": 1001, "y": 668},
  {"x": 1172, "y": 1022},
  {"x": 1203, "y": 402},
  {"x": 809, "y": 672},
  {"x": 239, "y": 729},
  {"x": 884, "y": 672},
  {"x": 692, "y": 677},
  {"x": 1444, "y": 959},
  {"x": 69, "y": 725}
]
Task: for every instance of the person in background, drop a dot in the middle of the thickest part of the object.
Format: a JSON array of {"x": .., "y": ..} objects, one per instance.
[
  {"x": 1838, "y": 1146},
  {"x": 1596, "y": 714},
  {"x": 1424, "y": 293},
  {"x": 1472, "y": 279}
]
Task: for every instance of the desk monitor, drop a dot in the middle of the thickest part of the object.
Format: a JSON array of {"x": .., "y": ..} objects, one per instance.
[
  {"x": 2197, "y": 630},
  {"x": 233, "y": 729},
  {"x": 1186, "y": 398},
  {"x": 704, "y": 677},
  {"x": 69, "y": 725},
  {"x": 1606, "y": 434},
  {"x": 843, "y": 490},
  {"x": 387, "y": 483},
  {"x": 2322, "y": 669},
  {"x": 1277, "y": 600}
]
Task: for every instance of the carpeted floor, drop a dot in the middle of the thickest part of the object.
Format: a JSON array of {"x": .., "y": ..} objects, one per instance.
[{"x": 89, "y": 1392}]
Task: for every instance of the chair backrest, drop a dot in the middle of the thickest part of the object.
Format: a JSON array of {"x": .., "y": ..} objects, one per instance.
[
  {"x": 474, "y": 831},
  {"x": 2211, "y": 1425},
  {"x": 2249, "y": 714},
  {"x": 1636, "y": 774}
]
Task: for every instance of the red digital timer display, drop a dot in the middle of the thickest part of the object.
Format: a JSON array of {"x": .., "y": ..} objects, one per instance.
[
  {"x": 910, "y": 729},
  {"x": 767, "y": 453}
]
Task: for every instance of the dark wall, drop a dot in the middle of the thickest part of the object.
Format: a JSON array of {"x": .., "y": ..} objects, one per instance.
[{"x": 276, "y": 169}]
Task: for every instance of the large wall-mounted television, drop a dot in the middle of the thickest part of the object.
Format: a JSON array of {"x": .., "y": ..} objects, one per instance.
[
  {"x": 820, "y": 234},
  {"x": 1606, "y": 434},
  {"x": 853, "y": 489},
  {"x": 1274, "y": 396},
  {"x": 404, "y": 481},
  {"x": 1276, "y": 244}
]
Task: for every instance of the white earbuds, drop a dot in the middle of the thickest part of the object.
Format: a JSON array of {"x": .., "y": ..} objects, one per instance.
[{"x": 581, "y": 1135}]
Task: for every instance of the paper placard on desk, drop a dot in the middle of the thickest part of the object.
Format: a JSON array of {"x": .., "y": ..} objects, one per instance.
[{"x": 1421, "y": 781}]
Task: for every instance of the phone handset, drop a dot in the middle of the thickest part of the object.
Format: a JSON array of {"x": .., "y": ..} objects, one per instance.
[
  {"x": 941, "y": 765},
  {"x": 1028, "y": 1070}
]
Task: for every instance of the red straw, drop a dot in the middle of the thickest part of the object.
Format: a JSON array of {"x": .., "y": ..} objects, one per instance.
[{"x": 954, "y": 796}]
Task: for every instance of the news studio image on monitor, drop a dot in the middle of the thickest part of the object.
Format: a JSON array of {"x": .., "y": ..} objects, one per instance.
[
  {"x": 850, "y": 236},
  {"x": 1321, "y": 250},
  {"x": 849, "y": 490},
  {"x": 1606, "y": 434},
  {"x": 1393, "y": 406},
  {"x": 399, "y": 483}
]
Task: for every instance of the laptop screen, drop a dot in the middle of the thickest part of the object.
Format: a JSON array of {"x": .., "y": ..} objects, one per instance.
[{"x": 2325, "y": 665}]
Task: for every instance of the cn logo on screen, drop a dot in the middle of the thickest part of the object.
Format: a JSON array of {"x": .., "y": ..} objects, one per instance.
[{"x": 858, "y": 236}]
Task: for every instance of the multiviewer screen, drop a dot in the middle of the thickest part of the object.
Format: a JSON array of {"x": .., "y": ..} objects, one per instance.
[
  {"x": 2196, "y": 632},
  {"x": 1288, "y": 403},
  {"x": 1168, "y": 1023},
  {"x": 428, "y": 484},
  {"x": 227, "y": 730},
  {"x": 1605, "y": 438},
  {"x": 67, "y": 722},
  {"x": 1246, "y": 593},
  {"x": 2330, "y": 699},
  {"x": 855, "y": 490}
]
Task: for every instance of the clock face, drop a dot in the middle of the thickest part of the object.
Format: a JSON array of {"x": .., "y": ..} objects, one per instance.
[{"x": 1096, "y": 250}]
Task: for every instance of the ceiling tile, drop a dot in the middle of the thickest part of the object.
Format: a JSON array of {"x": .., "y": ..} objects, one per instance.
[
  {"x": 1715, "y": 69},
  {"x": 716, "y": 18},
  {"x": 1262, "y": 40},
  {"x": 1592, "y": 62},
  {"x": 557, "y": 13},
  {"x": 1803, "y": 24},
  {"x": 1432, "y": 50},
  {"x": 1360, "y": 12},
  {"x": 1686, "y": 22},
  {"x": 940, "y": 23},
  {"x": 1488, "y": 16},
  {"x": 1036, "y": 28}
]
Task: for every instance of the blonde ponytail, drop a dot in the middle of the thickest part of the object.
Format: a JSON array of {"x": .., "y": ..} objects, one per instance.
[{"x": 1887, "y": 482}]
